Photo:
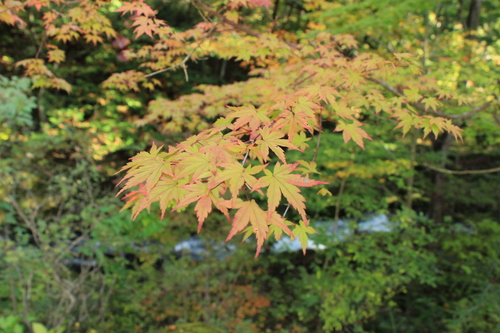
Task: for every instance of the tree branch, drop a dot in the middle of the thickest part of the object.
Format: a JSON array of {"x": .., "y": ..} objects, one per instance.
[
  {"x": 421, "y": 106},
  {"x": 464, "y": 172}
]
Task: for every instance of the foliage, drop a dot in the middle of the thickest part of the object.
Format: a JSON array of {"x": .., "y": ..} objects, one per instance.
[
  {"x": 16, "y": 102},
  {"x": 262, "y": 109}
]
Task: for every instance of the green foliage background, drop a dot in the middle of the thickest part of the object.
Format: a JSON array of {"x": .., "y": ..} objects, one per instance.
[{"x": 435, "y": 271}]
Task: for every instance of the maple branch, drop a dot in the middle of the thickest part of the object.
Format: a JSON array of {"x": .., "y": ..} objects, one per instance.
[
  {"x": 464, "y": 172},
  {"x": 320, "y": 122},
  {"x": 182, "y": 64},
  {"x": 221, "y": 17},
  {"x": 337, "y": 205},
  {"x": 233, "y": 24},
  {"x": 286, "y": 210},
  {"x": 421, "y": 106}
]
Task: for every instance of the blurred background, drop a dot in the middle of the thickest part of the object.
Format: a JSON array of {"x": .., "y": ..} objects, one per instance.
[{"x": 409, "y": 241}]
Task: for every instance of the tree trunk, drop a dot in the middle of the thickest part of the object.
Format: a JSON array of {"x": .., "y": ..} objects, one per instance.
[
  {"x": 438, "y": 209},
  {"x": 474, "y": 13}
]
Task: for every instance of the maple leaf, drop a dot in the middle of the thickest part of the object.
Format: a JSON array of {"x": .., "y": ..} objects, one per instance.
[
  {"x": 137, "y": 8},
  {"x": 138, "y": 200},
  {"x": 146, "y": 25},
  {"x": 432, "y": 103},
  {"x": 236, "y": 176},
  {"x": 271, "y": 140},
  {"x": 260, "y": 3},
  {"x": 412, "y": 95},
  {"x": 38, "y": 4},
  {"x": 56, "y": 55},
  {"x": 353, "y": 131},
  {"x": 204, "y": 194},
  {"x": 197, "y": 165},
  {"x": 300, "y": 140},
  {"x": 278, "y": 225},
  {"x": 435, "y": 125},
  {"x": 145, "y": 168},
  {"x": 250, "y": 212},
  {"x": 342, "y": 110},
  {"x": 282, "y": 182},
  {"x": 301, "y": 230},
  {"x": 307, "y": 167},
  {"x": 248, "y": 115},
  {"x": 324, "y": 93},
  {"x": 406, "y": 122},
  {"x": 167, "y": 192}
]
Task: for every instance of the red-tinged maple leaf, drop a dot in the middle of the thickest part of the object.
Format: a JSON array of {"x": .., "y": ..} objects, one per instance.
[
  {"x": 248, "y": 115},
  {"x": 303, "y": 115},
  {"x": 224, "y": 149},
  {"x": 353, "y": 131},
  {"x": 282, "y": 182},
  {"x": 146, "y": 26},
  {"x": 455, "y": 130},
  {"x": 204, "y": 194},
  {"x": 38, "y": 4},
  {"x": 138, "y": 200},
  {"x": 260, "y": 3},
  {"x": 168, "y": 191},
  {"x": 136, "y": 8},
  {"x": 250, "y": 212},
  {"x": 146, "y": 168},
  {"x": 271, "y": 139},
  {"x": 324, "y": 93},
  {"x": 294, "y": 122},
  {"x": 301, "y": 230},
  {"x": 235, "y": 175}
]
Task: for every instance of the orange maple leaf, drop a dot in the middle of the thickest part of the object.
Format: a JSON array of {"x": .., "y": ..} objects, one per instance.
[
  {"x": 137, "y": 8},
  {"x": 282, "y": 182},
  {"x": 236, "y": 176},
  {"x": 205, "y": 193},
  {"x": 250, "y": 212},
  {"x": 248, "y": 115}
]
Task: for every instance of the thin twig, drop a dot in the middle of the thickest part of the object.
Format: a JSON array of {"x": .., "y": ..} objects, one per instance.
[
  {"x": 421, "y": 107},
  {"x": 463, "y": 172},
  {"x": 320, "y": 130},
  {"x": 337, "y": 205},
  {"x": 182, "y": 64}
]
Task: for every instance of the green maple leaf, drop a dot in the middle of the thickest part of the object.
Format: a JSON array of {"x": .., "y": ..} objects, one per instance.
[
  {"x": 353, "y": 132},
  {"x": 236, "y": 176},
  {"x": 272, "y": 140},
  {"x": 168, "y": 192},
  {"x": 146, "y": 168},
  {"x": 301, "y": 230},
  {"x": 278, "y": 225},
  {"x": 432, "y": 103},
  {"x": 282, "y": 182},
  {"x": 412, "y": 95},
  {"x": 406, "y": 122}
]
